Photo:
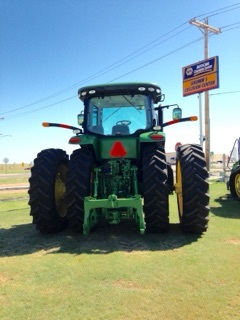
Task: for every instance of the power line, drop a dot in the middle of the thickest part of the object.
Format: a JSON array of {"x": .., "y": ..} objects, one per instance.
[
  {"x": 229, "y": 25},
  {"x": 132, "y": 71},
  {"x": 38, "y": 109},
  {"x": 111, "y": 67},
  {"x": 137, "y": 55},
  {"x": 219, "y": 93},
  {"x": 235, "y": 25},
  {"x": 220, "y": 11},
  {"x": 124, "y": 60},
  {"x": 157, "y": 59},
  {"x": 117, "y": 78},
  {"x": 134, "y": 54},
  {"x": 224, "y": 11}
]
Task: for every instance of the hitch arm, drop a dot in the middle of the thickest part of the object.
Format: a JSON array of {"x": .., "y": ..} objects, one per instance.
[
  {"x": 61, "y": 125},
  {"x": 192, "y": 118}
]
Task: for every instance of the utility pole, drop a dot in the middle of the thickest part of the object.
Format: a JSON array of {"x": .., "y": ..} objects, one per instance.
[
  {"x": 200, "y": 120},
  {"x": 206, "y": 28}
]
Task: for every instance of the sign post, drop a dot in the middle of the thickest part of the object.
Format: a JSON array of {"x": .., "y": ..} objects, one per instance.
[{"x": 6, "y": 160}]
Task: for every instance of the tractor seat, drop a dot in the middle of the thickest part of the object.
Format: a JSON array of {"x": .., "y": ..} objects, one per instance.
[
  {"x": 97, "y": 129},
  {"x": 120, "y": 130}
]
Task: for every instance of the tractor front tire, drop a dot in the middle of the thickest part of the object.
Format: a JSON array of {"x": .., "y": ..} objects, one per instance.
[
  {"x": 47, "y": 191},
  {"x": 192, "y": 188},
  {"x": 78, "y": 186},
  {"x": 155, "y": 189}
]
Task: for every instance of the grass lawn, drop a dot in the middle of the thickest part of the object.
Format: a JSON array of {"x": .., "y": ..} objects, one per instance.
[
  {"x": 115, "y": 273},
  {"x": 14, "y": 178}
]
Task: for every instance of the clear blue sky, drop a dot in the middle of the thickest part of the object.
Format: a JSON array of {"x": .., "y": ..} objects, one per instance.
[{"x": 50, "y": 48}]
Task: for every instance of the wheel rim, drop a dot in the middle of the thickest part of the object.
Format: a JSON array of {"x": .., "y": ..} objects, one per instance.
[
  {"x": 60, "y": 190},
  {"x": 237, "y": 184},
  {"x": 178, "y": 188}
]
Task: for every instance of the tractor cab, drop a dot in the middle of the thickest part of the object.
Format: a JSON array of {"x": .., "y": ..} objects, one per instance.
[{"x": 119, "y": 110}]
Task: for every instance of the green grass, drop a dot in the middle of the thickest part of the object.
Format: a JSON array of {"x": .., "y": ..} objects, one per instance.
[
  {"x": 14, "y": 178},
  {"x": 115, "y": 273},
  {"x": 14, "y": 196},
  {"x": 10, "y": 168}
]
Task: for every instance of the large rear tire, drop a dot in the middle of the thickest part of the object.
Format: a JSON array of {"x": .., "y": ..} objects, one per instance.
[
  {"x": 192, "y": 188},
  {"x": 78, "y": 186},
  {"x": 234, "y": 184},
  {"x": 47, "y": 190},
  {"x": 155, "y": 189}
]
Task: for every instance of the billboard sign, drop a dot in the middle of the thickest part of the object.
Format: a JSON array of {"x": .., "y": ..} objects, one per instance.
[{"x": 201, "y": 76}]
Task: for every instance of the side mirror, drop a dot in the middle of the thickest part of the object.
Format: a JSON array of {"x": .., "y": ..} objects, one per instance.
[
  {"x": 80, "y": 118},
  {"x": 177, "y": 113}
]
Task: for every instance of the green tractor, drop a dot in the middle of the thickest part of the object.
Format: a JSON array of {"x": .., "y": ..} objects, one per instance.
[
  {"x": 234, "y": 180},
  {"x": 120, "y": 171}
]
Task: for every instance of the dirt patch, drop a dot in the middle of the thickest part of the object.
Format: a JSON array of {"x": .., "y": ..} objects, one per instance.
[
  {"x": 4, "y": 279},
  {"x": 14, "y": 188},
  {"x": 235, "y": 241},
  {"x": 14, "y": 191},
  {"x": 127, "y": 284}
]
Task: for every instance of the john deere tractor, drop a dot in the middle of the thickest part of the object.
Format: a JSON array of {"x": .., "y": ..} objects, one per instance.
[
  {"x": 119, "y": 169},
  {"x": 234, "y": 180}
]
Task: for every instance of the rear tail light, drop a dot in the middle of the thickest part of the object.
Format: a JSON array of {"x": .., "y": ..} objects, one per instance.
[
  {"x": 157, "y": 136},
  {"x": 74, "y": 140}
]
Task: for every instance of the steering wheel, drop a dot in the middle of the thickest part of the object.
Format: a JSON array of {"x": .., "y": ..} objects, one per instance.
[{"x": 123, "y": 122}]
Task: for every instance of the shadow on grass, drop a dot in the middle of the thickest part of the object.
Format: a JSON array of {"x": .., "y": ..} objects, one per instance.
[
  {"x": 230, "y": 207},
  {"x": 24, "y": 239}
]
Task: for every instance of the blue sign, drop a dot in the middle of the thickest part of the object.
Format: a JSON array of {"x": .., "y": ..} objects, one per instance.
[{"x": 201, "y": 76}]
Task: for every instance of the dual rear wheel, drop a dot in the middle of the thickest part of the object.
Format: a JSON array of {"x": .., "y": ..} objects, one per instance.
[
  {"x": 58, "y": 187},
  {"x": 192, "y": 188},
  {"x": 47, "y": 191}
]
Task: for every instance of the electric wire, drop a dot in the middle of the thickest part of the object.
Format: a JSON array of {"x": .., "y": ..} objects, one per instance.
[
  {"x": 220, "y": 93},
  {"x": 123, "y": 60},
  {"x": 236, "y": 26},
  {"x": 106, "y": 69},
  {"x": 132, "y": 71},
  {"x": 40, "y": 108},
  {"x": 117, "y": 78},
  {"x": 126, "y": 59},
  {"x": 216, "y": 12},
  {"x": 157, "y": 59}
]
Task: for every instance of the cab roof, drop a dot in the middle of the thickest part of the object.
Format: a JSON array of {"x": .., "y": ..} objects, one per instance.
[{"x": 151, "y": 89}]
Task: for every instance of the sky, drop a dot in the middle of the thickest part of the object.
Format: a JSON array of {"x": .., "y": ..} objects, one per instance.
[{"x": 51, "y": 48}]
